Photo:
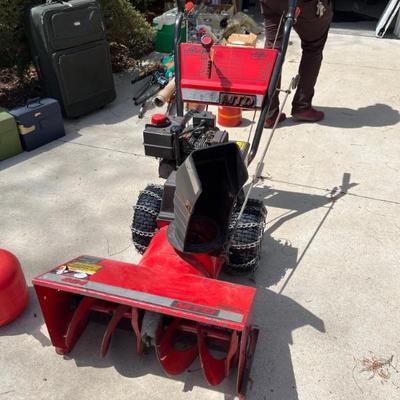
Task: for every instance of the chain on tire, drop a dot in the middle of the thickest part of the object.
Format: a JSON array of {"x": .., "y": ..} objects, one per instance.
[
  {"x": 146, "y": 210},
  {"x": 245, "y": 249}
]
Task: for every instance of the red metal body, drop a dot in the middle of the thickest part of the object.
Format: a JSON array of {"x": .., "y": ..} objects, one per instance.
[
  {"x": 13, "y": 290},
  {"x": 180, "y": 287},
  {"x": 239, "y": 76}
]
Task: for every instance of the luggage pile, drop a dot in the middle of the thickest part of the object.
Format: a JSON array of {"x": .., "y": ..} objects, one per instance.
[
  {"x": 26, "y": 128},
  {"x": 71, "y": 54}
]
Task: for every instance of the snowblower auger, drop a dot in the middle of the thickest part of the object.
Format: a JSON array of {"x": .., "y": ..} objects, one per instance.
[{"x": 172, "y": 298}]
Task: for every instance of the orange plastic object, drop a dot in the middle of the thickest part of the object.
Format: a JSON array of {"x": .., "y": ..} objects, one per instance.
[
  {"x": 229, "y": 116},
  {"x": 13, "y": 289}
]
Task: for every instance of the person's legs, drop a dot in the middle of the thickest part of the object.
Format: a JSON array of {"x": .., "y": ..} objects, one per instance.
[
  {"x": 272, "y": 10},
  {"x": 313, "y": 32}
]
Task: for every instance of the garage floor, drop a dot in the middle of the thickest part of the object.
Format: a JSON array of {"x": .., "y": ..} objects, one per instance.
[{"x": 328, "y": 299}]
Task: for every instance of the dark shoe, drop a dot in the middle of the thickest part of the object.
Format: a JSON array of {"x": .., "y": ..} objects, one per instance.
[
  {"x": 310, "y": 115},
  {"x": 269, "y": 122}
]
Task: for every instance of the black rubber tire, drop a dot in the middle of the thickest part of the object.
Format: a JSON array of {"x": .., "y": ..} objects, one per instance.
[
  {"x": 146, "y": 210},
  {"x": 253, "y": 206},
  {"x": 144, "y": 226},
  {"x": 246, "y": 260}
]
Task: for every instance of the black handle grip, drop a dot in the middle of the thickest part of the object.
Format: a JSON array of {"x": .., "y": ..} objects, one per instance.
[{"x": 150, "y": 92}]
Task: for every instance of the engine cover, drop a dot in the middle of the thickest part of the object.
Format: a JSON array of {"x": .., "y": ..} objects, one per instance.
[{"x": 160, "y": 140}]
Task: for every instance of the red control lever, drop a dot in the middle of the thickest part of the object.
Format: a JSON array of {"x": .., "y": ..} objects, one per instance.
[
  {"x": 207, "y": 43},
  {"x": 189, "y": 7}
]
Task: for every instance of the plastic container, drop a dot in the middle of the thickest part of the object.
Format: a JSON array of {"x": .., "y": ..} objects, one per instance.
[
  {"x": 229, "y": 116},
  {"x": 165, "y": 25},
  {"x": 13, "y": 290}
]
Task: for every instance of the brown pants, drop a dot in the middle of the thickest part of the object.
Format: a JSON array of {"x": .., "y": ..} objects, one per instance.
[{"x": 313, "y": 32}]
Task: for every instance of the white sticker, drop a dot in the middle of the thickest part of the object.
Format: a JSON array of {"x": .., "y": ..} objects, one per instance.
[{"x": 80, "y": 275}]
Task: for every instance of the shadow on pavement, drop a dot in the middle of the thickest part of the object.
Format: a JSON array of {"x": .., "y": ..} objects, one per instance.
[
  {"x": 272, "y": 373},
  {"x": 29, "y": 322},
  {"x": 278, "y": 255},
  {"x": 27, "y": 155},
  {"x": 277, "y": 315},
  {"x": 377, "y": 115},
  {"x": 121, "y": 109}
]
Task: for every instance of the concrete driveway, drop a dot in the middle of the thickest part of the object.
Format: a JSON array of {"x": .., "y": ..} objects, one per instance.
[{"x": 328, "y": 300}]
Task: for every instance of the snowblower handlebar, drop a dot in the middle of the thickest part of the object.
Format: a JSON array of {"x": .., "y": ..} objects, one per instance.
[
  {"x": 276, "y": 73},
  {"x": 181, "y": 5},
  {"x": 290, "y": 20},
  {"x": 177, "y": 56}
]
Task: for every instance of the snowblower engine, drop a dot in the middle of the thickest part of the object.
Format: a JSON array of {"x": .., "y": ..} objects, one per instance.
[{"x": 171, "y": 138}]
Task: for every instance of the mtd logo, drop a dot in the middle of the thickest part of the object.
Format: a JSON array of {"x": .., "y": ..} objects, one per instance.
[{"x": 194, "y": 308}]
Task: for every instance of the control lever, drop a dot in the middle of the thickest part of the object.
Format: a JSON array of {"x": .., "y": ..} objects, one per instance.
[{"x": 207, "y": 43}]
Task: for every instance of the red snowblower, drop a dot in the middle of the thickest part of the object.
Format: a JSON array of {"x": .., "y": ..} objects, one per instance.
[{"x": 198, "y": 223}]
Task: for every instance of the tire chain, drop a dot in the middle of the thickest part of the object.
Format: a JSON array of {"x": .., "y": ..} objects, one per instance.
[
  {"x": 142, "y": 233},
  {"x": 237, "y": 268},
  {"x": 260, "y": 225},
  {"x": 140, "y": 248},
  {"x": 146, "y": 209},
  {"x": 152, "y": 194},
  {"x": 139, "y": 233},
  {"x": 244, "y": 268}
]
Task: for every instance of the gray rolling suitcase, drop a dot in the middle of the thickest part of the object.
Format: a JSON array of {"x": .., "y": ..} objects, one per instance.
[{"x": 71, "y": 53}]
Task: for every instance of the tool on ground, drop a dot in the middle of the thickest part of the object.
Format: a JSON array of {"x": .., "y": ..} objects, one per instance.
[
  {"x": 153, "y": 86},
  {"x": 165, "y": 94},
  {"x": 150, "y": 89},
  {"x": 138, "y": 75},
  {"x": 187, "y": 230}
]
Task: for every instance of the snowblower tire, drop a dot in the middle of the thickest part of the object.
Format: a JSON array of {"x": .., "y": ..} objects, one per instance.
[
  {"x": 146, "y": 210},
  {"x": 245, "y": 249}
]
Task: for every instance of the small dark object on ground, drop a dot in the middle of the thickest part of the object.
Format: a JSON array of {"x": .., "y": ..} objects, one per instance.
[{"x": 377, "y": 366}]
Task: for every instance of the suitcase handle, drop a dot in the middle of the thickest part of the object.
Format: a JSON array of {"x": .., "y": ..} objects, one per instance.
[
  {"x": 32, "y": 101},
  {"x": 59, "y": 1}
]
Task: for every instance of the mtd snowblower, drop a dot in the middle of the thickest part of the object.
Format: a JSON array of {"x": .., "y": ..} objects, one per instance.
[{"x": 201, "y": 221}]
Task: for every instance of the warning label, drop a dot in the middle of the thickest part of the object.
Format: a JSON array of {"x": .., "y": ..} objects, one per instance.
[
  {"x": 89, "y": 259},
  {"x": 241, "y": 145},
  {"x": 82, "y": 267}
]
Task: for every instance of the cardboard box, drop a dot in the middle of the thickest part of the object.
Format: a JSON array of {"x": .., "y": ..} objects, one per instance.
[{"x": 242, "y": 40}]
